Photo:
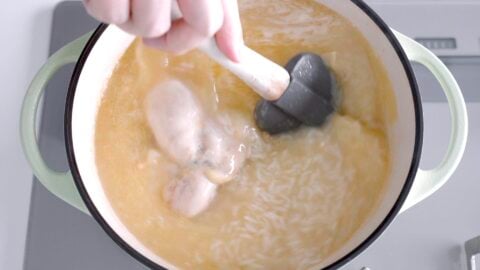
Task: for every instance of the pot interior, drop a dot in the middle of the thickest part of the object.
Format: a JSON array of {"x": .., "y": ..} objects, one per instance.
[{"x": 113, "y": 42}]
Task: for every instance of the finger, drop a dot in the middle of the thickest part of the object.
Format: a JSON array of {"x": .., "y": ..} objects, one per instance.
[
  {"x": 205, "y": 16},
  {"x": 230, "y": 36},
  {"x": 148, "y": 18},
  {"x": 108, "y": 11},
  {"x": 179, "y": 39}
]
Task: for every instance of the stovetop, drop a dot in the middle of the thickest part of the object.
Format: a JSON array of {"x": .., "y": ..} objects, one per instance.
[{"x": 429, "y": 237}]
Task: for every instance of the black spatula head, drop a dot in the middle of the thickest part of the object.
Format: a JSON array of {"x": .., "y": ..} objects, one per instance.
[
  {"x": 272, "y": 119},
  {"x": 309, "y": 98}
]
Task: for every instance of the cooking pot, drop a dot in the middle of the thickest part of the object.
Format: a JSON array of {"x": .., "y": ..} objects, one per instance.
[{"x": 97, "y": 54}]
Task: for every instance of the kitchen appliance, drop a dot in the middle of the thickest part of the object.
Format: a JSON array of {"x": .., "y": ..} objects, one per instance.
[{"x": 68, "y": 13}]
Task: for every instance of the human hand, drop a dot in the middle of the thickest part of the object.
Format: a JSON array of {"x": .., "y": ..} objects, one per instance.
[{"x": 151, "y": 19}]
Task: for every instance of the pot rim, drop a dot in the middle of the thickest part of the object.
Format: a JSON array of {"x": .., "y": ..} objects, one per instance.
[{"x": 340, "y": 262}]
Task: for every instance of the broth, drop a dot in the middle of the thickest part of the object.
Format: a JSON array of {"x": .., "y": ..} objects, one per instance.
[{"x": 300, "y": 196}]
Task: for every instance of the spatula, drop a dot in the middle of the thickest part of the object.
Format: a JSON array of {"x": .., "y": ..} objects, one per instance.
[{"x": 301, "y": 93}]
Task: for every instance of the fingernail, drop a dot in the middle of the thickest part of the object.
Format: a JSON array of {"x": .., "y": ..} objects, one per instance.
[
  {"x": 237, "y": 51},
  {"x": 158, "y": 43},
  {"x": 147, "y": 41}
]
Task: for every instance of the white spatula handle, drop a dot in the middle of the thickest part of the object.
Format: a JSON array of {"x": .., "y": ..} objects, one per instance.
[{"x": 265, "y": 77}]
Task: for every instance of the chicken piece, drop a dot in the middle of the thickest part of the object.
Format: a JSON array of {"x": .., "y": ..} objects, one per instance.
[
  {"x": 224, "y": 153},
  {"x": 210, "y": 151},
  {"x": 190, "y": 195},
  {"x": 176, "y": 118}
]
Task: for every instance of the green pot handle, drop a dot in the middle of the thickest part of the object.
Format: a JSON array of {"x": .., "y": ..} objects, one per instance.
[
  {"x": 60, "y": 184},
  {"x": 427, "y": 182}
]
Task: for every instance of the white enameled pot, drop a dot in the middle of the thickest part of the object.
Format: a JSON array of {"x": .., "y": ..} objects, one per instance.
[{"x": 96, "y": 55}]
